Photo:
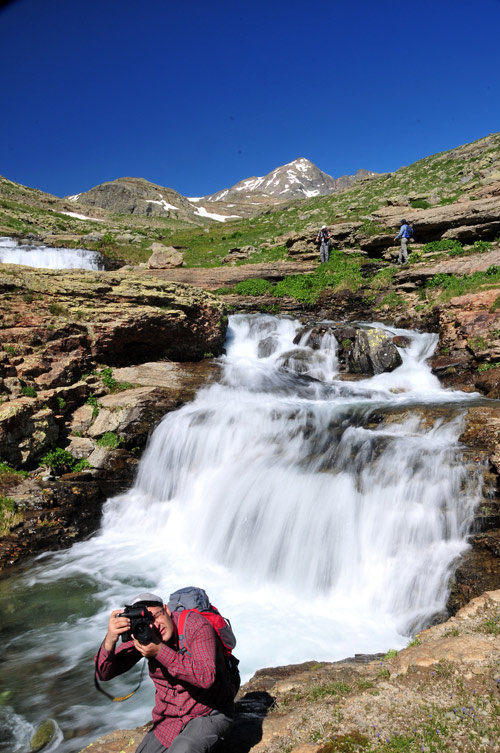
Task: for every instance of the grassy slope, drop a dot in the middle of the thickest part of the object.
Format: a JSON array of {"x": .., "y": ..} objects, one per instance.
[{"x": 440, "y": 178}]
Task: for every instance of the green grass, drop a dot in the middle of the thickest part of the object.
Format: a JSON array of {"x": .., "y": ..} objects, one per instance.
[
  {"x": 452, "y": 285},
  {"x": 328, "y": 689},
  {"x": 253, "y": 286}
]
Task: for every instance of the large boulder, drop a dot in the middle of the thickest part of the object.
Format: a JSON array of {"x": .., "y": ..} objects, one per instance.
[
  {"x": 373, "y": 352},
  {"x": 165, "y": 257}
]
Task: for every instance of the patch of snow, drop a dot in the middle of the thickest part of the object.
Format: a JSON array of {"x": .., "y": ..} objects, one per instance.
[
  {"x": 194, "y": 198},
  {"x": 166, "y": 206},
  {"x": 75, "y": 197},
  {"x": 79, "y": 216},
  {"x": 309, "y": 194},
  {"x": 202, "y": 212}
]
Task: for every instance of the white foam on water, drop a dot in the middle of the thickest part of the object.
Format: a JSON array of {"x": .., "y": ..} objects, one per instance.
[{"x": 45, "y": 257}]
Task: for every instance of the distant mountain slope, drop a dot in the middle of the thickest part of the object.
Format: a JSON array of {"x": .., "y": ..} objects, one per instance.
[
  {"x": 300, "y": 179},
  {"x": 137, "y": 196}
]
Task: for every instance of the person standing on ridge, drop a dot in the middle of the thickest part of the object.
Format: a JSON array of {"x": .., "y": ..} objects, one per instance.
[
  {"x": 405, "y": 233},
  {"x": 323, "y": 239}
]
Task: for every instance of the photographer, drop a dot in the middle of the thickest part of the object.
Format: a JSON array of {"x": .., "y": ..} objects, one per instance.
[{"x": 194, "y": 698}]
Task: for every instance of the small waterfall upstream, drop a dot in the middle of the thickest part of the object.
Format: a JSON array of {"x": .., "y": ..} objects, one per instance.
[
  {"x": 324, "y": 517},
  {"x": 45, "y": 257}
]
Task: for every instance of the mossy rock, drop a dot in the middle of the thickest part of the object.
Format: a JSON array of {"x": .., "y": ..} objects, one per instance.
[{"x": 44, "y": 735}]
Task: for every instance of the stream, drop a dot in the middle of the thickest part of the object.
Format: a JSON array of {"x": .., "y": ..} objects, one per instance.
[{"x": 323, "y": 517}]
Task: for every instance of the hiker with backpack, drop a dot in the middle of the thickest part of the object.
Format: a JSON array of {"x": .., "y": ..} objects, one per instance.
[
  {"x": 187, "y": 645},
  {"x": 405, "y": 233},
  {"x": 323, "y": 240}
]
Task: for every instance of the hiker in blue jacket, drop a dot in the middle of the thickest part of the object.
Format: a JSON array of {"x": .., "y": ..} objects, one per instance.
[{"x": 405, "y": 232}]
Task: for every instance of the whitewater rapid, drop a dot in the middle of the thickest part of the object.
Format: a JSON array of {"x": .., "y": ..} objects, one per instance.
[
  {"x": 46, "y": 257},
  {"x": 323, "y": 517}
]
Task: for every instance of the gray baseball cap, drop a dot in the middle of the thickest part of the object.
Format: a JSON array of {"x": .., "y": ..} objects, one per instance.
[{"x": 147, "y": 599}]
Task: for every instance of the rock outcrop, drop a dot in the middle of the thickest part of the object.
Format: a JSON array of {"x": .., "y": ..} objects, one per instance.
[
  {"x": 440, "y": 693},
  {"x": 60, "y": 402}
]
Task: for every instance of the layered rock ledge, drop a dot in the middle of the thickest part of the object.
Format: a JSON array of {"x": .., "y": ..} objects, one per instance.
[{"x": 62, "y": 334}]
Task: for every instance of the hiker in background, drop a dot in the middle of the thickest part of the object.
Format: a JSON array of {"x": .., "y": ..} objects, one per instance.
[
  {"x": 194, "y": 698},
  {"x": 405, "y": 233},
  {"x": 323, "y": 239}
]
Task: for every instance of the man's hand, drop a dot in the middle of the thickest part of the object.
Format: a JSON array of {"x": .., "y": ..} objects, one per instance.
[
  {"x": 116, "y": 626},
  {"x": 150, "y": 649}
]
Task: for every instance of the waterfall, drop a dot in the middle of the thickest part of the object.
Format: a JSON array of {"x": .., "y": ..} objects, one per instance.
[
  {"x": 323, "y": 517},
  {"x": 45, "y": 257}
]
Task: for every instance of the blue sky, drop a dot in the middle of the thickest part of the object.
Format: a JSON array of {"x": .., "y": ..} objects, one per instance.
[{"x": 200, "y": 95}]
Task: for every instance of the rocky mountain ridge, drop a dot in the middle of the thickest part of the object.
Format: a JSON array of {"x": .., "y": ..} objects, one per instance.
[
  {"x": 300, "y": 179},
  {"x": 296, "y": 180}
]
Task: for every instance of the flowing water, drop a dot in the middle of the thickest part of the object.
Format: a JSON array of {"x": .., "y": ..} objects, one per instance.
[
  {"x": 45, "y": 257},
  {"x": 322, "y": 516}
]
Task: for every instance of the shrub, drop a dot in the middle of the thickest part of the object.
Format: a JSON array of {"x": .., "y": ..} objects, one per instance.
[
  {"x": 445, "y": 245},
  {"x": 109, "y": 439},
  {"x": 61, "y": 461},
  {"x": 28, "y": 390},
  {"x": 420, "y": 204}
]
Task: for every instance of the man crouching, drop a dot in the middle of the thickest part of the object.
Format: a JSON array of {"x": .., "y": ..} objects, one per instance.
[{"x": 194, "y": 698}]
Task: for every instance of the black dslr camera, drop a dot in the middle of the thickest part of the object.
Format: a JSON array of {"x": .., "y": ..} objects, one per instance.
[{"x": 141, "y": 622}]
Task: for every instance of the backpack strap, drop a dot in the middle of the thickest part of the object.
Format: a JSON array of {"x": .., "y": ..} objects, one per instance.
[{"x": 181, "y": 629}]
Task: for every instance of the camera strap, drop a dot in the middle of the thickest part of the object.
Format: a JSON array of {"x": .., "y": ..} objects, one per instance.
[{"x": 118, "y": 698}]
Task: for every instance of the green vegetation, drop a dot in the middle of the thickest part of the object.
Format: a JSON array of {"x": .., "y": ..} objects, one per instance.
[
  {"x": 8, "y": 517},
  {"x": 491, "y": 626},
  {"x": 391, "y": 654},
  {"x": 420, "y": 204},
  {"x": 28, "y": 390},
  {"x": 56, "y": 309},
  {"x": 253, "y": 286},
  {"x": 109, "y": 439},
  {"x": 61, "y": 461},
  {"x": 340, "y": 273},
  {"x": 92, "y": 400},
  {"x": 487, "y": 366},
  {"x": 415, "y": 642},
  {"x": 4, "y": 468},
  {"x": 329, "y": 689},
  {"x": 111, "y": 384},
  {"x": 444, "y": 245},
  {"x": 453, "y": 285}
]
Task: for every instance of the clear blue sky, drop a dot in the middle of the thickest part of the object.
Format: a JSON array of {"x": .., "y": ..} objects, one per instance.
[{"x": 199, "y": 95}]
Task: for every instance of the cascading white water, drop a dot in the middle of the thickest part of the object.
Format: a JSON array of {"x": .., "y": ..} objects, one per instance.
[
  {"x": 45, "y": 257},
  {"x": 322, "y": 516}
]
